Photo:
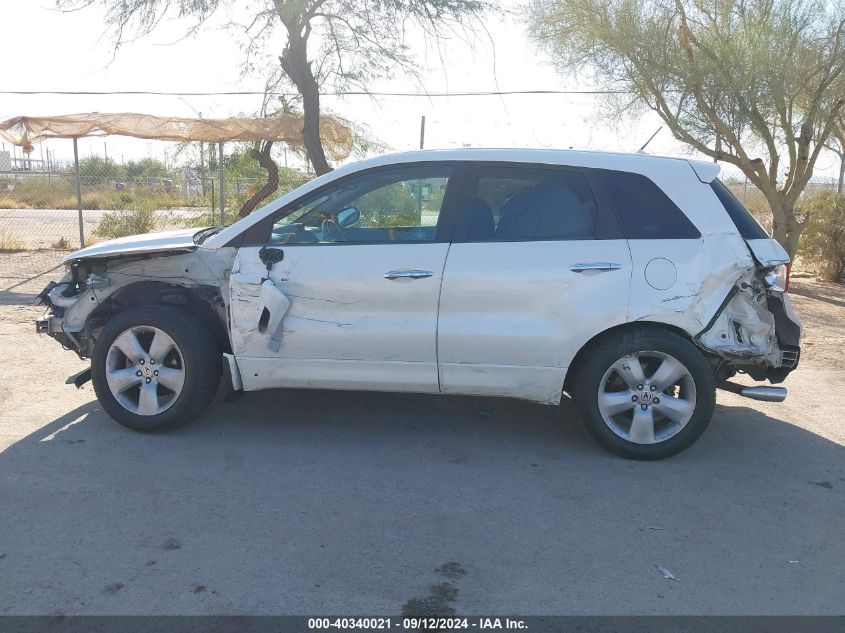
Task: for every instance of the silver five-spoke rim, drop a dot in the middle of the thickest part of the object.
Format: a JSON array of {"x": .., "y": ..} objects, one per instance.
[
  {"x": 647, "y": 397},
  {"x": 145, "y": 370}
]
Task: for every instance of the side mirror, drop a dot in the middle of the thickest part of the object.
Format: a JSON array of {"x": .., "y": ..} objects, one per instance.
[
  {"x": 270, "y": 256},
  {"x": 348, "y": 217}
]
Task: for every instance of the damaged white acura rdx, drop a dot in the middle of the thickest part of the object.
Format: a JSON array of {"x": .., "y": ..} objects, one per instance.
[{"x": 635, "y": 284}]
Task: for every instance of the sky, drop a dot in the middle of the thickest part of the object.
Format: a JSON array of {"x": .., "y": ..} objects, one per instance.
[{"x": 46, "y": 49}]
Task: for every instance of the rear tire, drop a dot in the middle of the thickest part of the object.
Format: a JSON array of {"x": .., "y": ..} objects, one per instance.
[
  {"x": 155, "y": 368},
  {"x": 645, "y": 394}
]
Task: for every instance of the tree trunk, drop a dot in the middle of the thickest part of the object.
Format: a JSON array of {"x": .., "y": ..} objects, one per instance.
[
  {"x": 294, "y": 60},
  {"x": 841, "y": 174},
  {"x": 264, "y": 159},
  {"x": 793, "y": 234},
  {"x": 785, "y": 226}
]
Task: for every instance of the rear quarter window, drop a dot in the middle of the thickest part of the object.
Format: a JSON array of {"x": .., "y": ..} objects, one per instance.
[
  {"x": 644, "y": 211},
  {"x": 745, "y": 223}
]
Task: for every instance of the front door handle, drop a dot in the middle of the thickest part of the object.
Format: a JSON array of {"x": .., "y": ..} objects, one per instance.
[
  {"x": 602, "y": 266},
  {"x": 412, "y": 274}
]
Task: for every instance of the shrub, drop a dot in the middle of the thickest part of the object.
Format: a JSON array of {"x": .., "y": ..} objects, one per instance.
[
  {"x": 197, "y": 221},
  {"x": 823, "y": 239},
  {"x": 126, "y": 222}
]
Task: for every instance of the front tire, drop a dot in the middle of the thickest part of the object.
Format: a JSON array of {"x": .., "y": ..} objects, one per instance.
[
  {"x": 645, "y": 394},
  {"x": 155, "y": 368}
]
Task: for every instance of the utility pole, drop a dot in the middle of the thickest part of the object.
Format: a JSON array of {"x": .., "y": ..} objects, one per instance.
[
  {"x": 419, "y": 182},
  {"x": 78, "y": 193},
  {"x": 202, "y": 159},
  {"x": 202, "y": 167},
  {"x": 202, "y": 154},
  {"x": 222, "y": 195},
  {"x": 422, "y": 132}
]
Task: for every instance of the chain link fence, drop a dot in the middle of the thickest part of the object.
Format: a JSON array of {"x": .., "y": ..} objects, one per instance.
[{"x": 49, "y": 207}]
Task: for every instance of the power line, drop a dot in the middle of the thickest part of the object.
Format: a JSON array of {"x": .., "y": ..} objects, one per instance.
[{"x": 349, "y": 93}]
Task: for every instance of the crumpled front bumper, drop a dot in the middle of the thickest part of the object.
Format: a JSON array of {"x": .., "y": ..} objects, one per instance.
[{"x": 52, "y": 321}]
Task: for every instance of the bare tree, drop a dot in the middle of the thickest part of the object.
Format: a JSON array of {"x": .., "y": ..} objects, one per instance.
[
  {"x": 341, "y": 42},
  {"x": 755, "y": 83}
]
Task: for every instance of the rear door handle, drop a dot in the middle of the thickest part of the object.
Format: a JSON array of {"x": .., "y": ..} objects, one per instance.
[
  {"x": 602, "y": 266},
  {"x": 412, "y": 274}
]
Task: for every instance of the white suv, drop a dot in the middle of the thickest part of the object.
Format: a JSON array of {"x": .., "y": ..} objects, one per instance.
[{"x": 633, "y": 283}]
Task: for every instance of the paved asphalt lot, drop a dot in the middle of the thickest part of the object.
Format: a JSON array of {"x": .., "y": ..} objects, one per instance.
[{"x": 295, "y": 502}]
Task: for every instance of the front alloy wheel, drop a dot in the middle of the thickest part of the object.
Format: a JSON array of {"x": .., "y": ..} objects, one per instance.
[
  {"x": 145, "y": 370},
  {"x": 155, "y": 367}
]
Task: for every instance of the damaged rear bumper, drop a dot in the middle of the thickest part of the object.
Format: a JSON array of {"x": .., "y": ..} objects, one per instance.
[
  {"x": 756, "y": 332},
  {"x": 788, "y": 332}
]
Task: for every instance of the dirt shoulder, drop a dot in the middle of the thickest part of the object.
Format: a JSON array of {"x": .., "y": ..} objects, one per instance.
[{"x": 821, "y": 307}]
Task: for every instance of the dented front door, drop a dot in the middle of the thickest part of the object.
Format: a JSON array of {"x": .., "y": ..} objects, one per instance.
[{"x": 346, "y": 316}]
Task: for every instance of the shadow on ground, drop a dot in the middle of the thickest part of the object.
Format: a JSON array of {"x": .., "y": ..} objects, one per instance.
[{"x": 315, "y": 502}]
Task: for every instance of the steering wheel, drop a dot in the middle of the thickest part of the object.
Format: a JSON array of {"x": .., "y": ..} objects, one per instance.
[
  {"x": 327, "y": 224},
  {"x": 302, "y": 236}
]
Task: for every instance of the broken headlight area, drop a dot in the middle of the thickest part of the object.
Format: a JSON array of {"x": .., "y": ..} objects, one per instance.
[
  {"x": 59, "y": 296},
  {"x": 777, "y": 277},
  {"x": 64, "y": 293}
]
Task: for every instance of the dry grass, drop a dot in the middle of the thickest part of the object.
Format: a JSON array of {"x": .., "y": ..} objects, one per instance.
[
  {"x": 9, "y": 242},
  {"x": 9, "y": 203}
]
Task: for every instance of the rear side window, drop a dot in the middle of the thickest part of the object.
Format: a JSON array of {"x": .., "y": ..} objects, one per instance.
[
  {"x": 746, "y": 224},
  {"x": 645, "y": 212},
  {"x": 528, "y": 204}
]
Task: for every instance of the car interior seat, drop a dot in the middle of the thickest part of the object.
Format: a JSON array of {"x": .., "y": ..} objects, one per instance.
[
  {"x": 481, "y": 224},
  {"x": 547, "y": 210}
]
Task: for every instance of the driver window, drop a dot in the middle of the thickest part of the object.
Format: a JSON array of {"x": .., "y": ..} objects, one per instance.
[{"x": 394, "y": 205}]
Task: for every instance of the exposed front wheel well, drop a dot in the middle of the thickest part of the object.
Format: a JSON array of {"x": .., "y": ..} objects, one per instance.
[{"x": 203, "y": 302}]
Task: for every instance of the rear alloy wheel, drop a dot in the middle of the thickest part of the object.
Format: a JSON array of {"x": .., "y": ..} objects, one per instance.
[
  {"x": 646, "y": 395},
  {"x": 155, "y": 368}
]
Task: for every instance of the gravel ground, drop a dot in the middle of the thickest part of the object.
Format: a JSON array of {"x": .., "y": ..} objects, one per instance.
[{"x": 352, "y": 503}]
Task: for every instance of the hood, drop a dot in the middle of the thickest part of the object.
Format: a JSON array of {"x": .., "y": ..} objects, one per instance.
[{"x": 179, "y": 241}]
